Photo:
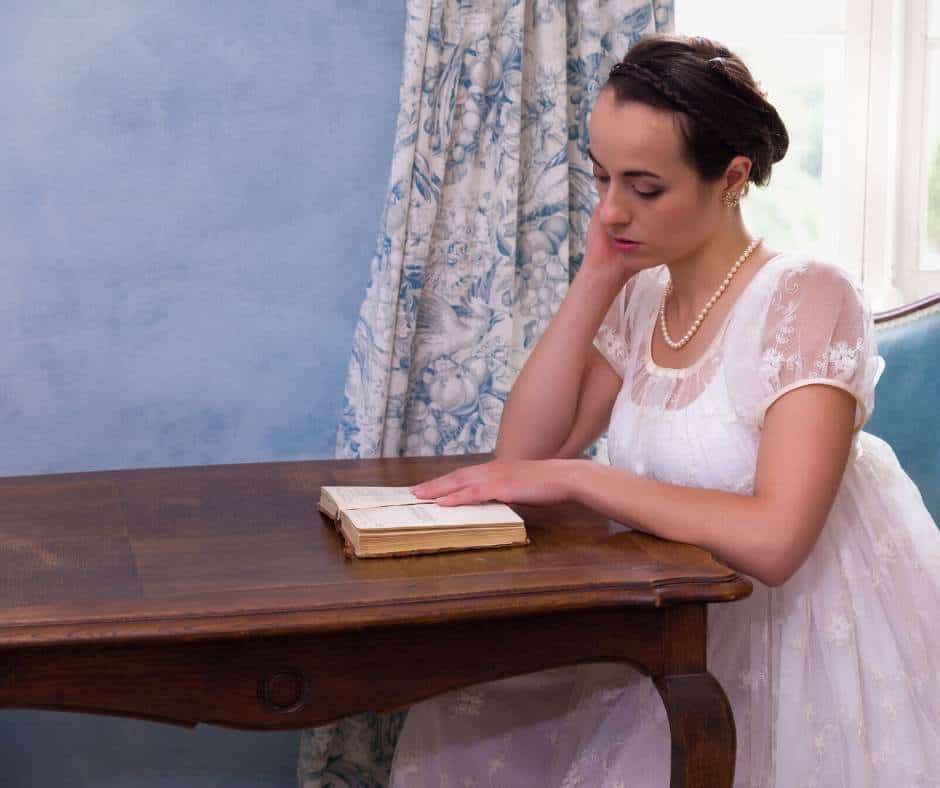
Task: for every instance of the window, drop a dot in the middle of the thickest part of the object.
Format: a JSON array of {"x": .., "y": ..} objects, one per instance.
[
  {"x": 858, "y": 84},
  {"x": 930, "y": 238}
]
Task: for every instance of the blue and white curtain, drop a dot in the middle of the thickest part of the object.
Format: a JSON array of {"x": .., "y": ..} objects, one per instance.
[
  {"x": 489, "y": 200},
  {"x": 483, "y": 230}
]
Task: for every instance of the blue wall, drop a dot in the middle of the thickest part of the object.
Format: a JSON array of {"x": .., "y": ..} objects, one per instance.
[{"x": 189, "y": 201}]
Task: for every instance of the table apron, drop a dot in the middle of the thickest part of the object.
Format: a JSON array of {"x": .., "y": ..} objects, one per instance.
[{"x": 303, "y": 680}]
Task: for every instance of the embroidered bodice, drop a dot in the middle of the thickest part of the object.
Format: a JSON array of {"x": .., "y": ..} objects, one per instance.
[{"x": 797, "y": 322}]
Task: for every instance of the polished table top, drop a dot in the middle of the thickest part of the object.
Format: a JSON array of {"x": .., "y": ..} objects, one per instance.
[
  {"x": 219, "y": 594},
  {"x": 227, "y": 550}
]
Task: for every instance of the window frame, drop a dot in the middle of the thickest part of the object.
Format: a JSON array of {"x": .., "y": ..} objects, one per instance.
[
  {"x": 883, "y": 161},
  {"x": 888, "y": 45}
]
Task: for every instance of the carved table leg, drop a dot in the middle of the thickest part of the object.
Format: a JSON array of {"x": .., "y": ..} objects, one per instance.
[{"x": 702, "y": 729}]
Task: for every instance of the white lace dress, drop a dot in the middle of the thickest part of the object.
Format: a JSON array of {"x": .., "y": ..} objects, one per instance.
[{"x": 834, "y": 677}]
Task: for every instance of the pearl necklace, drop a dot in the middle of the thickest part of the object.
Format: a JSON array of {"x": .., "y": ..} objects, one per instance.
[{"x": 711, "y": 301}]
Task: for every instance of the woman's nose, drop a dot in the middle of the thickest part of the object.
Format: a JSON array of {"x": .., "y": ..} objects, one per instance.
[{"x": 613, "y": 208}]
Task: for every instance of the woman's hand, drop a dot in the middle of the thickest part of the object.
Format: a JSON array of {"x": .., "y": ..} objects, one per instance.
[
  {"x": 508, "y": 481},
  {"x": 601, "y": 255}
]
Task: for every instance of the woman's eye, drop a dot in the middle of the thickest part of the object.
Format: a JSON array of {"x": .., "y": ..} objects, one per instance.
[
  {"x": 601, "y": 178},
  {"x": 648, "y": 195}
]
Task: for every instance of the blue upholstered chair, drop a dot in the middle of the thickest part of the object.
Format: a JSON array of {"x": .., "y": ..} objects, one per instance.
[{"x": 907, "y": 397}]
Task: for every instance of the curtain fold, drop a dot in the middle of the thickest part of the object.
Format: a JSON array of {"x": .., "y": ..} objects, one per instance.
[{"x": 488, "y": 203}]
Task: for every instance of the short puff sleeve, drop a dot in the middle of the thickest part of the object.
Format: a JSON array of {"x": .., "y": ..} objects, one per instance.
[
  {"x": 613, "y": 337},
  {"x": 810, "y": 325}
]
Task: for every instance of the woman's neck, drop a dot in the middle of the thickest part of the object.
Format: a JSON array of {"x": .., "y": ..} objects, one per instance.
[{"x": 696, "y": 277}]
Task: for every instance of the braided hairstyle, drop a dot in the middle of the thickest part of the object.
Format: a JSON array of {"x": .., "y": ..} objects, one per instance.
[{"x": 723, "y": 111}]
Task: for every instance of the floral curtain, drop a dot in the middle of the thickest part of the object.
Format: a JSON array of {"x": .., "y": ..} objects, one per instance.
[{"x": 488, "y": 203}]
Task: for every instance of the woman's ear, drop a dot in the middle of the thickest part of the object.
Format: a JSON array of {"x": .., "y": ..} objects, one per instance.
[{"x": 737, "y": 173}]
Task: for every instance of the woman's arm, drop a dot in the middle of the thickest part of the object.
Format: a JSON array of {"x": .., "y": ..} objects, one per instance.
[
  {"x": 804, "y": 448},
  {"x": 543, "y": 417},
  {"x": 600, "y": 386},
  {"x": 541, "y": 409}
]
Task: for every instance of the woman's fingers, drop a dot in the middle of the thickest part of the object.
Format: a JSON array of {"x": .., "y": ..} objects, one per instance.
[
  {"x": 510, "y": 481},
  {"x": 438, "y": 486},
  {"x": 470, "y": 494},
  {"x": 451, "y": 482},
  {"x": 429, "y": 489}
]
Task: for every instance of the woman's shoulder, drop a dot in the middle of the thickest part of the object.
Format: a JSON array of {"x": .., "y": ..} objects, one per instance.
[
  {"x": 805, "y": 266},
  {"x": 793, "y": 262},
  {"x": 792, "y": 277},
  {"x": 787, "y": 273},
  {"x": 792, "y": 288}
]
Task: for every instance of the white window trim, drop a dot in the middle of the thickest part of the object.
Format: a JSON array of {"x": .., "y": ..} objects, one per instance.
[
  {"x": 875, "y": 183},
  {"x": 885, "y": 40}
]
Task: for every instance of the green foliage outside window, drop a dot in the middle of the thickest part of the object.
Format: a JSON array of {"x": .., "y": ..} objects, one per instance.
[
  {"x": 788, "y": 211},
  {"x": 933, "y": 200}
]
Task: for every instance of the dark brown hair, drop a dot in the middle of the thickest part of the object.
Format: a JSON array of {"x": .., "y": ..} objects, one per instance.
[{"x": 724, "y": 113}]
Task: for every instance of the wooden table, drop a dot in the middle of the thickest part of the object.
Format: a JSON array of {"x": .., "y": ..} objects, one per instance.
[{"x": 220, "y": 595}]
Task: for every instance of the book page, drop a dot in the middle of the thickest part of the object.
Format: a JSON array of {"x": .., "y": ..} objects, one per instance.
[
  {"x": 349, "y": 497},
  {"x": 430, "y": 515}
]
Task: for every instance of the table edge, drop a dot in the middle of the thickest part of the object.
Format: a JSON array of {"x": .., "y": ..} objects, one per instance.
[{"x": 281, "y": 620}]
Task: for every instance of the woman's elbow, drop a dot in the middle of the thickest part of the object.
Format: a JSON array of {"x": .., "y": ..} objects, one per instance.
[
  {"x": 769, "y": 567},
  {"x": 775, "y": 576},
  {"x": 782, "y": 560}
]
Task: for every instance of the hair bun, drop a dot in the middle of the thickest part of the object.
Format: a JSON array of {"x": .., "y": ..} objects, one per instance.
[
  {"x": 726, "y": 112},
  {"x": 723, "y": 67}
]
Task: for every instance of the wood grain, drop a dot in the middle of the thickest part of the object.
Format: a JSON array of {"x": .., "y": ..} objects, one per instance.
[{"x": 219, "y": 594}]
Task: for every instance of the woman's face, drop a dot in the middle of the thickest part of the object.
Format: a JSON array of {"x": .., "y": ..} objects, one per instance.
[{"x": 648, "y": 193}]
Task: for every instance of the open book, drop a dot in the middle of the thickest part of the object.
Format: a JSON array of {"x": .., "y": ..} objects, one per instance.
[{"x": 377, "y": 521}]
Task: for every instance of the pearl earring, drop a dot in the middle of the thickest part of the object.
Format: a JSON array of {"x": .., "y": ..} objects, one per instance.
[{"x": 731, "y": 198}]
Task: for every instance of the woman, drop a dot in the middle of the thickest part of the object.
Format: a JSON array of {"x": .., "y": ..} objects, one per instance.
[{"x": 735, "y": 381}]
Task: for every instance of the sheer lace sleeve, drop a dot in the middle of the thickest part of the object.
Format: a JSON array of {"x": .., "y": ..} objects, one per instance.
[
  {"x": 812, "y": 325},
  {"x": 613, "y": 336}
]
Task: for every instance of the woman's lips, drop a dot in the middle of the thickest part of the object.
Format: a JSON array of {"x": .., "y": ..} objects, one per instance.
[{"x": 624, "y": 244}]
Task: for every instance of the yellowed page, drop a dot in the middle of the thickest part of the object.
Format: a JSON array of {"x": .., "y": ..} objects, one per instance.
[
  {"x": 430, "y": 515},
  {"x": 348, "y": 498}
]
